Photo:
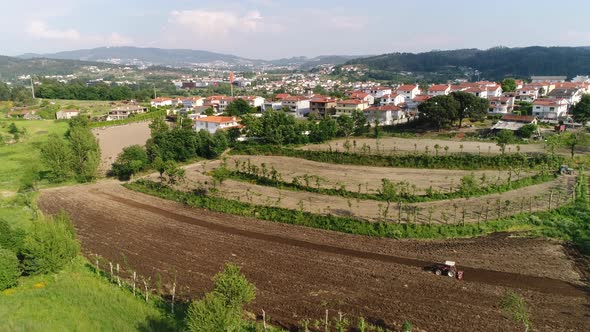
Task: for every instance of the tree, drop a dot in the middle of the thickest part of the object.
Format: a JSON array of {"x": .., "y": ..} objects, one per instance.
[
  {"x": 9, "y": 269},
  {"x": 503, "y": 138},
  {"x": 528, "y": 130},
  {"x": 360, "y": 122},
  {"x": 86, "y": 153},
  {"x": 173, "y": 172},
  {"x": 469, "y": 106},
  {"x": 581, "y": 110},
  {"x": 50, "y": 245},
  {"x": 440, "y": 111},
  {"x": 11, "y": 239},
  {"x": 158, "y": 126},
  {"x": 572, "y": 139},
  {"x": 509, "y": 85},
  {"x": 233, "y": 288},
  {"x": 57, "y": 156},
  {"x": 346, "y": 125},
  {"x": 514, "y": 305},
  {"x": 131, "y": 160},
  {"x": 238, "y": 107}
]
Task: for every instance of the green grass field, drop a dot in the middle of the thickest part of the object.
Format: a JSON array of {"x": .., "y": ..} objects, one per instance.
[
  {"x": 76, "y": 299},
  {"x": 17, "y": 157}
]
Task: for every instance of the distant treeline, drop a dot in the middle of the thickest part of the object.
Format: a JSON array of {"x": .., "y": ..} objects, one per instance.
[
  {"x": 79, "y": 90},
  {"x": 19, "y": 94},
  {"x": 493, "y": 64}
]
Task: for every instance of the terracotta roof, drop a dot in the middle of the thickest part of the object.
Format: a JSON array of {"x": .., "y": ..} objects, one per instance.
[
  {"x": 351, "y": 102},
  {"x": 217, "y": 119},
  {"x": 518, "y": 118},
  {"x": 282, "y": 95},
  {"x": 548, "y": 102},
  {"x": 380, "y": 88},
  {"x": 438, "y": 87},
  {"x": 476, "y": 89},
  {"x": 421, "y": 98},
  {"x": 384, "y": 108},
  {"x": 407, "y": 87},
  {"x": 161, "y": 99}
]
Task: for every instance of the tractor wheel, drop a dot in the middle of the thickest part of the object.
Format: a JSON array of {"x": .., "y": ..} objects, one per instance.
[
  {"x": 438, "y": 272},
  {"x": 451, "y": 274}
]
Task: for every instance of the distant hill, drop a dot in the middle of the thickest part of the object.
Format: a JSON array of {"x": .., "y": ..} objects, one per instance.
[
  {"x": 179, "y": 57},
  {"x": 493, "y": 64},
  {"x": 12, "y": 67}
]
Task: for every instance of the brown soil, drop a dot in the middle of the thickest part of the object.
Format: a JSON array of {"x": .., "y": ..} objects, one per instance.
[
  {"x": 368, "y": 178},
  {"x": 301, "y": 272},
  {"x": 531, "y": 198},
  {"x": 396, "y": 144},
  {"x": 112, "y": 140}
]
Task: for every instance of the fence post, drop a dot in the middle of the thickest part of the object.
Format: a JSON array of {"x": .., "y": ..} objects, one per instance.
[
  {"x": 111, "y": 276},
  {"x": 550, "y": 199},
  {"x": 326, "y": 322},
  {"x": 97, "y": 268},
  {"x": 118, "y": 279},
  {"x": 173, "y": 296},
  {"x": 134, "y": 278},
  {"x": 263, "y": 320}
]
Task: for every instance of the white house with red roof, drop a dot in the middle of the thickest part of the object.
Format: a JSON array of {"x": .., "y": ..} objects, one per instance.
[
  {"x": 369, "y": 98},
  {"x": 297, "y": 105},
  {"x": 214, "y": 123},
  {"x": 385, "y": 115},
  {"x": 392, "y": 99},
  {"x": 480, "y": 92},
  {"x": 494, "y": 91},
  {"x": 501, "y": 105},
  {"x": 550, "y": 108},
  {"x": 161, "y": 102},
  {"x": 66, "y": 114},
  {"x": 378, "y": 91},
  {"x": 409, "y": 91},
  {"x": 439, "y": 90}
]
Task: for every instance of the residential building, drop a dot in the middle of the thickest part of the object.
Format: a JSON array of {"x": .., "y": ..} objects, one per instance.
[
  {"x": 527, "y": 93},
  {"x": 378, "y": 91},
  {"x": 322, "y": 106},
  {"x": 572, "y": 95},
  {"x": 297, "y": 105},
  {"x": 384, "y": 115},
  {"x": 161, "y": 102},
  {"x": 66, "y": 114},
  {"x": 392, "y": 99},
  {"x": 478, "y": 92},
  {"x": 192, "y": 102},
  {"x": 214, "y": 123},
  {"x": 550, "y": 108},
  {"x": 348, "y": 106},
  {"x": 494, "y": 91},
  {"x": 514, "y": 122},
  {"x": 439, "y": 90},
  {"x": 501, "y": 105},
  {"x": 552, "y": 79},
  {"x": 124, "y": 112},
  {"x": 412, "y": 104},
  {"x": 409, "y": 91},
  {"x": 369, "y": 98}
]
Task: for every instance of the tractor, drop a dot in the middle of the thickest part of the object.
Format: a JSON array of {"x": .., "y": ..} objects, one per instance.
[
  {"x": 447, "y": 268},
  {"x": 565, "y": 170}
]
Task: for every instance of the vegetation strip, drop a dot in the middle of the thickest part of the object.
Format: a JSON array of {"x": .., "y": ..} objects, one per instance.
[
  {"x": 136, "y": 118},
  {"x": 463, "y": 161},
  {"x": 570, "y": 223},
  {"x": 390, "y": 192}
]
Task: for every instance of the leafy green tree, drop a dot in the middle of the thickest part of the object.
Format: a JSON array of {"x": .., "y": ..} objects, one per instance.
[
  {"x": 50, "y": 245},
  {"x": 509, "y": 85},
  {"x": 325, "y": 130},
  {"x": 57, "y": 156},
  {"x": 11, "y": 239},
  {"x": 525, "y": 108},
  {"x": 528, "y": 130},
  {"x": 158, "y": 126},
  {"x": 238, "y": 107},
  {"x": 173, "y": 172},
  {"x": 13, "y": 129},
  {"x": 131, "y": 160},
  {"x": 211, "y": 314},
  {"x": 581, "y": 111},
  {"x": 346, "y": 125},
  {"x": 573, "y": 139},
  {"x": 86, "y": 153},
  {"x": 233, "y": 287},
  {"x": 360, "y": 122},
  {"x": 9, "y": 269},
  {"x": 504, "y": 138},
  {"x": 469, "y": 106},
  {"x": 440, "y": 111}
]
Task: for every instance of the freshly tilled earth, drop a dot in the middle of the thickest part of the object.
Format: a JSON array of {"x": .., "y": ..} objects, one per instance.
[{"x": 302, "y": 272}]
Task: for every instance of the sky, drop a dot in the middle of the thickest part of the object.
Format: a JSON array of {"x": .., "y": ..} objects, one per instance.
[{"x": 272, "y": 29}]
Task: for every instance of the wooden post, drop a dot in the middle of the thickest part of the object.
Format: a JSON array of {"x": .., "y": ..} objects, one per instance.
[
  {"x": 264, "y": 320},
  {"x": 326, "y": 322},
  {"x": 134, "y": 278},
  {"x": 146, "y": 290},
  {"x": 173, "y": 296},
  {"x": 550, "y": 199},
  {"x": 118, "y": 279},
  {"x": 97, "y": 268},
  {"x": 111, "y": 265}
]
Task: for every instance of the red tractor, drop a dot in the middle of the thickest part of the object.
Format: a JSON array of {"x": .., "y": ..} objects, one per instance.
[{"x": 447, "y": 268}]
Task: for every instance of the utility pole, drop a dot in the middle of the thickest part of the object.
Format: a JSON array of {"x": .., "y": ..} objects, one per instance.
[{"x": 32, "y": 87}]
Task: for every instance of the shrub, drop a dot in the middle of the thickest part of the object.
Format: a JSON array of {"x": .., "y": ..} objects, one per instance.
[
  {"x": 407, "y": 326},
  {"x": 233, "y": 288},
  {"x": 514, "y": 305},
  {"x": 11, "y": 239},
  {"x": 50, "y": 245},
  {"x": 133, "y": 159},
  {"x": 211, "y": 314},
  {"x": 9, "y": 270}
]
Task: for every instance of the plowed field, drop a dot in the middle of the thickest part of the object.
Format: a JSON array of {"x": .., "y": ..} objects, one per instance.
[{"x": 301, "y": 272}]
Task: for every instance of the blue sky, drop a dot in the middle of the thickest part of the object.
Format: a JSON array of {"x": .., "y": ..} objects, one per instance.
[{"x": 268, "y": 29}]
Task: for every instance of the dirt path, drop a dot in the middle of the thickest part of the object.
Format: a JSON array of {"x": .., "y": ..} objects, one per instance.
[
  {"x": 395, "y": 144},
  {"x": 301, "y": 272},
  {"x": 531, "y": 198},
  {"x": 365, "y": 178}
]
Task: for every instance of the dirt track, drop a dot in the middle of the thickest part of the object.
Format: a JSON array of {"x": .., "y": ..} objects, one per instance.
[{"x": 301, "y": 272}]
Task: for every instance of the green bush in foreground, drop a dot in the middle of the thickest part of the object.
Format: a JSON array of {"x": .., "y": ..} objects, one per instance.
[
  {"x": 11, "y": 239},
  {"x": 9, "y": 270},
  {"x": 221, "y": 310},
  {"x": 50, "y": 245}
]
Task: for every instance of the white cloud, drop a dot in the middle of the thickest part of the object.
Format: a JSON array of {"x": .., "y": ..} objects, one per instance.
[
  {"x": 211, "y": 24},
  {"x": 40, "y": 30},
  {"x": 116, "y": 39}
]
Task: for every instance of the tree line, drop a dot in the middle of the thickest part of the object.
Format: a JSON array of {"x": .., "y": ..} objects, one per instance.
[
  {"x": 79, "y": 90},
  {"x": 22, "y": 95}
]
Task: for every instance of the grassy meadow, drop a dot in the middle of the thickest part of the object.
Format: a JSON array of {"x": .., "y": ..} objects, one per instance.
[{"x": 75, "y": 299}]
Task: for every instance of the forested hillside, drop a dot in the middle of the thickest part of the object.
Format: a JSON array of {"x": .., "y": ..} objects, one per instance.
[{"x": 493, "y": 64}]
